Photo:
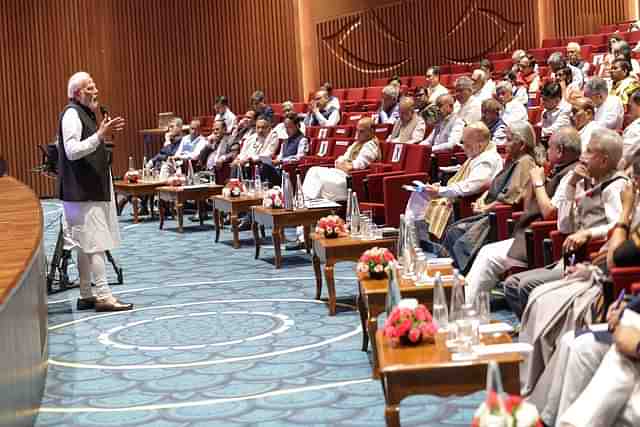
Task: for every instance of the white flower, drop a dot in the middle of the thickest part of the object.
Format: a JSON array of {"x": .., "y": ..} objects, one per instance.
[
  {"x": 378, "y": 268},
  {"x": 267, "y": 203}
]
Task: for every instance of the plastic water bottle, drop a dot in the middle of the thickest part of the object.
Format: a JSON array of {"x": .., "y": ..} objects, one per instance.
[
  {"x": 299, "y": 202},
  {"x": 258, "y": 181},
  {"x": 457, "y": 301},
  {"x": 440, "y": 310},
  {"x": 132, "y": 165}
]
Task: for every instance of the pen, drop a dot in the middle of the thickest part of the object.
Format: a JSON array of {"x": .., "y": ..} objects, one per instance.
[{"x": 620, "y": 298}]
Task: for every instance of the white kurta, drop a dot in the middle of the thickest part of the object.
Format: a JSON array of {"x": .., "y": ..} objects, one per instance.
[
  {"x": 90, "y": 226},
  {"x": 611, "y": 113}
]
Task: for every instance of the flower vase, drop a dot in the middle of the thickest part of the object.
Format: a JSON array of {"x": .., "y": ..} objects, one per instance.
[
  {"x": 404, "y": 340},
  {"x": 330, "y": 235},
  {"x": 377, "y": 275}
]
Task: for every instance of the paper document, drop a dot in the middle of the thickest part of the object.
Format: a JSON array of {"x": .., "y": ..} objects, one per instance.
[
  {"x": 321, "y": 203},
  {"x": 515, "y": 347},
  {"x": 454, "y": 168},
  {"x": 494, "y": 328}
]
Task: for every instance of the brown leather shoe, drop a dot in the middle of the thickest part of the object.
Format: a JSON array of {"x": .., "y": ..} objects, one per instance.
[
  {"x": 88, "y": 303},
  {"x": 113, "y": 305}
]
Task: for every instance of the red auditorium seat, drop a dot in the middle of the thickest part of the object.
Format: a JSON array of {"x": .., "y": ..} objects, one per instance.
[
  {"x": 502, "y": 65},
  {"x": 343, "y": 131},
  {"x": 611, "y": 28},
  {"x": 421, "y": 81},
  {"x": 539, "y": 55},
  {"x": 625, "y": 278},
  {"x": 445, "y": 69},
  {"x": 595, "y": 39},
  {"x": 546, "y": 43},
  {"x": 299, "y": 107},
  {"x": 382, "y": 131},
  {"x": 633, "y": 37},
  {"x": 459, "y": 68},
  {"x": 339, "y": 93},
  {"x": 496, "y": 56},
  {"x": 445, "y": 80},
  {"x": 380, "y": 81},
  {"x": 351, "y": 118},
  {"x": 373, "y": 93},
  {"x": 405, "y": 81},
  {"x": 574, "y": 39},
  {"x": 355, "y": 94},
  {"x": 395, "y": 198}
]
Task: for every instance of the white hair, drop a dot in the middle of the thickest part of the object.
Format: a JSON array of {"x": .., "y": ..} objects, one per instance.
[
  {"x": 76, "y": 82},
  {"x": 391, "y": 91}
]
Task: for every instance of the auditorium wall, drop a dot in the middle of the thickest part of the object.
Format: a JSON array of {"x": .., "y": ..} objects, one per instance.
[{"x": 147, "y": 56}]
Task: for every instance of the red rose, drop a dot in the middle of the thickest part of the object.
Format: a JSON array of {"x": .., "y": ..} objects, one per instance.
[
  {"x": 389, "y": 331},
  {"x": 475, "y": 422},
  {"x": 388, "y": 256},
  {"x": 414, "y": 335},
  {"x": 404, "y": 327},
  {"x": 492, "y": 401},
  {"x": 394, "y": 316},
  {"x": 421, "y": 313},
  {"x": 512, "y": 402}
]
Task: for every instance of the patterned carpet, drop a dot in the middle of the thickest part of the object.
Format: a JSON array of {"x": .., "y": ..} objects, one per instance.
[{"x": 217, "y": 339}]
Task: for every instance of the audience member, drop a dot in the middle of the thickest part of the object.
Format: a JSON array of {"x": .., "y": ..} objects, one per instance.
[
  {"x": 556, "y": 62},
  {"x": 292, "y": 149},
  {"x": 574, "y": 56},
  {"x": 520, "y": 89},
  {"x": 491, "y": 112},
  {"x": 527, "y": 74},
  {"x": 464, "y": 238},
  {"x": 442, "y": 136},
  {"x": 389, "y": 108},
  {"x": 631, "y": 135},
  {"x": 513, "y": 110},
  {"x": 191, "y": 144},
  {"x": 609, "y": 108},
  {"x": 434, "y": 88},
  {"x": 421, "y": 100},
  {"x": 258, "y": 105},
  {"x": 320, "y": 112},
  {"x": 223, "y": 112},
  {"x": 331, "y": 183},
  {"x": 333, "y": 100},
  {"x": 543, "y": 198},
  {"x": 487, "y": 66},
  {"x": 171, "y": 143},
  {"x": 623, "y": 84},
  {"x": 582, "y": 114},
  {"x": 622, "y": 50},
  {"x": 481, "y": 90},
  {"x": 467, "y": 107},
  {"x": 570, "y": 89},
  {"x": 220, "y": 148},
  {"x": 263, "y": 143},
  {"x": 607, "y": 62},
  {"x": 556, "y": 113},
  {"x": 410, "y": 128},
  {"x": 246, "y": 127},
  {"x": 516, "y": 56},
  {"x": 433, "y": 203}
]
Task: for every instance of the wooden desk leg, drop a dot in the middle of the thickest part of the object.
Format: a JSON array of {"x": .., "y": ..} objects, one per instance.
[
  {"x": 151, "y": 206},
  {"x": 180, "y": 212},
  {"x": 216, "y": 222},
  {"x": 201, "y": 206},
  {"x": 372, "y": 328},
  {"x": 392, "y": 415},
  {"x": 121, "y": 204},
  {"x": 162, "y": 208},
  {"x": 256, "y": 237},
  {"x": 331, "y": 286},
  {"x": 318, "y": 273},
  {"x": 275, "y": 233},
  {"x": 234, "y": 229},
  {"x": 135, "y": 201},
  {"x": 362, "y": 309},
  {"x": 307, "y": 239}
]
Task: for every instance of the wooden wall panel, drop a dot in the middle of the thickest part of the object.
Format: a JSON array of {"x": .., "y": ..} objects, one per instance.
[
  {"x": 577, "y": 17},
  {"x": 146, "y": 56},
  {"x": 407, "y": 37}
]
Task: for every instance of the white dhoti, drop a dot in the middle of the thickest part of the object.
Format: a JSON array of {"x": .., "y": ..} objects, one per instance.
[
  {"x": 92, "y": 228},
  {"x": 326, "y": 183}
]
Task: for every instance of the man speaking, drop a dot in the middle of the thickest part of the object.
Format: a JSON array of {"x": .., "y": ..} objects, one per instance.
[{"x": 86, "y": 191}]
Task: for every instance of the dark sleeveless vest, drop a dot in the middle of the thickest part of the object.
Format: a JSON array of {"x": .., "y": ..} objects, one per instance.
[
  {"x": 86, "y": 179},
  {"x": 290, "y": 146}
]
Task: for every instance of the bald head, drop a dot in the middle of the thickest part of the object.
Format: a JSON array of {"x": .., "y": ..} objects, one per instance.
[
  {"x": 364, "y": 129},
  {"x": 407, "y": 105}
]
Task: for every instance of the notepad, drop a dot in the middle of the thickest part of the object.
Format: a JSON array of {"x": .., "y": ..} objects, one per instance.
[{"x": 515, "y": 347}]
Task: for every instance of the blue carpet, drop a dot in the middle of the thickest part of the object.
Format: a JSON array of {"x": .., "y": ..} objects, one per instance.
[{"x": 217, "y": 339}]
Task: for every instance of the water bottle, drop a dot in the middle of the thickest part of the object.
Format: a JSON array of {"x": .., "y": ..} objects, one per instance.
[
  {"x": 393, "y": 289},
  {"x": 348, "y": 213},
  {"x": 190, "y": 175},
  {"x": 258, "y": 181},
  {"x": 355, "y": 215},
  {"x": 287, "y": 192},
  {"x": 132, "y": 166},
  {"x": 440, "y": 310},
  {"x": 457, "y": 301}
]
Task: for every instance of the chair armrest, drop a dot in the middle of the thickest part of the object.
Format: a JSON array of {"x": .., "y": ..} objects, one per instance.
[
  {"x": 635, "y": 288},
  {"x": 395, "y": 198},
  {"x": 625, "y": 278},
  {"x": 373, "y": 185},
  {"x": 502, "y": 213},
  {"x": 535, "y": 234}
]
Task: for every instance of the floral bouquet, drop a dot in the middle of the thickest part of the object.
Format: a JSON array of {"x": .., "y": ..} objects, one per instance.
[
  {"x": 132, "y": 176},
  {"x": 410, "y": 326},
  {"x": 375, "y": 262},
  {"x": 177, "y": 180},
  {"x": 273, "y": 198},
  {"x": 331, "y": 226},
  {"x": 233, "y": 188},
  {"x": 508, "y": 412}
]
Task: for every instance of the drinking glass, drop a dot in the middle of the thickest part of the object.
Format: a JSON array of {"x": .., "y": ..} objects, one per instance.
[
  {"x": 469, "y": 313},
  {"x": 483, "y": 307},
  {"x": 265, "y": 187},
  {"x": 464, "y": 336}
]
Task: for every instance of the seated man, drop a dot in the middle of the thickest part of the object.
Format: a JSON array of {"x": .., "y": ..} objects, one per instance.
[
  {"x": 432, "y": 204},
  {"x": 293, "y": 149},
  {"x": 487, "y": 66},
  {"x": 331, "y": 183},
  {"x": 258, "y": 105},
  {"x": 171, "y": 143},
  {"x": 556, "y": 62},
  {"x": 421, "y": 100},
  {"x": 320, "y": 112},
  {"x": 433, "y": 87},
  {"x": 468, "y": 107},
  {"x": 442, "y": 136},
  {"x": 624, "y": 85},
  {"x": 464, "y": 238},
  {"x": 481, "y": 90},
  {"x": 389, "y": 110},
  {"x": 191, "y": 144},
  {"x": 582, "y": 114},
  {"x": 410, "y": 128},
  {"x": 592, "y": 208},
  {"x": 513, "y": 110},
  {"x": 333, "y": 100},
  {"x": 631, "y": 135},
  {"x": 287, "y": 110},
  {"x": 491, "y": 111},
  {"x": 220, "y": 149},
  {"x": 223, "y": 112},
  {"x": 575, "y": 59},
  {"x": 609, "y": 108},
  {"x": 556, "y": 113},
  {"x": 541, "y": 202},
  {"x": 572, "y": 365},
  {"x": 263, "y": 143},
  {"x": 246, "y": 127},
  {"x": 516, "y": 56},
  {"x": 527, "y": 73}
]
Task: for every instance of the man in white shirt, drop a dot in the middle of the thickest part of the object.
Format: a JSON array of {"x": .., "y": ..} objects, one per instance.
[
  {"x": 575, "y": 59},
  {"x": 389, "y": 110},
  {"x": 513, "y": 110},
  {"x": 442, "y": 136},
  {"x": 481, "y": 90},
  {"x": 582, "y": 114},
  {"x": 321, "y": 113},
  {"x": 557, "y": 62},
  {"x": 223, "y": 112},
  {"x": 191, "y": 144},
  {"x": 631, "y": 135},
  {"x": 411, "y": 127},
  {"x": 491, "y": 112},
  {"x": 543, "y": 199},
  {"x": 609, "y": 108},
  {"x": 467, "y": 107},
  {"x": 333, "y": 100},
  {"x": 263, "y": 143},
  {"x": 557, "y": 112},
  {"x": 331, "y": 183},
  {"x": 434, "y": 88}
]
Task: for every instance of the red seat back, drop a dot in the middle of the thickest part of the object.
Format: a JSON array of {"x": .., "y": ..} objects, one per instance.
[
  {"x": 339, "y": 93},
  {"x": 421, "y": 81},
  {"x": 382, "y": 131},
  {"x": 380, "y": 81},
  {"x": 343, "y": 131},
  {"x": 418, "y": 158},
  {"x": 373, "y": 93},
  {"x": 340, "y": 146},
  {"x": 355, "y": 94}
]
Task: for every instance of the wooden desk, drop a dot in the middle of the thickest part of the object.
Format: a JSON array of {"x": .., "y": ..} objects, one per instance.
[
  {"x": 278, "y": 219},
  {"x": 136, "y": 191},
  {"x": 372, "y": 298},
  {"x": 428, "y": 369},
  {"x": 330, "y": 251},
  {"x": 179, "y": 195},
  {"x": 233, "y": 206}
]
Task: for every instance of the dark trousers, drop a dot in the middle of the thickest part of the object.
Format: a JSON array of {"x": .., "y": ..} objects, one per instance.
[
  {"x": 518, "y": 287},
  {"x": 271, "y": 174}
]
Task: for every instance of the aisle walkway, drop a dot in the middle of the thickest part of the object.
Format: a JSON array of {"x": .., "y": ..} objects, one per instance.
[{"x": 217, "y": 339}]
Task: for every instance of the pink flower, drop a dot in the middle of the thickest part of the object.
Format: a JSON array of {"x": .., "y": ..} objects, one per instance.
[
  {"x": 421, "y": 313},
  {"x": 388, "y": 256},
  {"x": 394, "y": 316},
  {"x": 389, "y": 331},
  {"x": 378, "y": 268},
  {"x": 414, "y": 335},
  {"x": 512, "y": 402},
  {"x": 492, "y": 401},
  {"x": 404, "y": 327}
]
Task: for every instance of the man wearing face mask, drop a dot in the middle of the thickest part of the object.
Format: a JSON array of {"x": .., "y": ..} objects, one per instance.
[{"x": 86, "y": 191}]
